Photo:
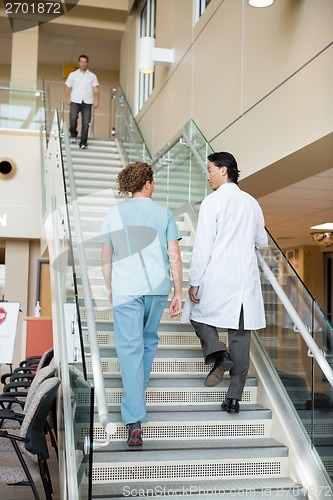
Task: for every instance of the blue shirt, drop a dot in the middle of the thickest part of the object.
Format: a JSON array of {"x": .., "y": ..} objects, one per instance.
[{"x": 139, "y": 231}]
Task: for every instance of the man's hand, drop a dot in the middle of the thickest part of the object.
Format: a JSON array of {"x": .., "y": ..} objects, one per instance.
[
  {"x": 68, "y": 100},
  {"x": 193, "y": 292},
  {"x": 175, "y": 306}
]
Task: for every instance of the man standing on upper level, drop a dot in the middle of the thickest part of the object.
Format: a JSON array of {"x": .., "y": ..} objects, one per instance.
[
  {"x": 225, "y": 287},
  {"x": 82, "y": 92}
]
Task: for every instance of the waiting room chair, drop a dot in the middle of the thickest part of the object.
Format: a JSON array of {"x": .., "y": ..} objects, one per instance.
[{"x": 26, "y": 463}]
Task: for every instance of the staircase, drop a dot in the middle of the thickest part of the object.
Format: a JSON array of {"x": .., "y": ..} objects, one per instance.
[{"x": 191, "y": 448}]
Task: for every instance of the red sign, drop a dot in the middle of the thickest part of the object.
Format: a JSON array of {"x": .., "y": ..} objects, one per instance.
[{"x": 3, "y": 315}]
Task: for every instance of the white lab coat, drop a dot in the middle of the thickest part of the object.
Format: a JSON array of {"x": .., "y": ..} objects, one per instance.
[{"x": 224, "y": 263}]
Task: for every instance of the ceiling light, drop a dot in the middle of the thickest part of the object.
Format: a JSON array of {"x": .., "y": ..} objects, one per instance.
[
  {"x": 327, "y": 226},
  {"x": 260, "y": 3}
]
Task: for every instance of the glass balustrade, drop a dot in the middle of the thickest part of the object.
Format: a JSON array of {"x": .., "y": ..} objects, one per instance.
[
  {"x": 180, "y": 184},
  {"x": 303, "y": 379},
  {"x": 22, "y": 108},
  {"x": 128, "y": 133},
  {"x": 77, "y": 391}
]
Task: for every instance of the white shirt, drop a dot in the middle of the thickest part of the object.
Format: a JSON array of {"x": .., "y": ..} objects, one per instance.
[
  {"x": 82, "y": 84},
  {"x": 224, "y": 263}
]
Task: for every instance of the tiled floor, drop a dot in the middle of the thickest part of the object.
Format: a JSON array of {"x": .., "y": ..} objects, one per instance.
[{"x": 25, "y": 492}]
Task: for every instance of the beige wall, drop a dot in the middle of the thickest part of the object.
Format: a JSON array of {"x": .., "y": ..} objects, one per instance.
[
  {"x": 256, "y": 81},
  {"x": 20, "y": 196}
]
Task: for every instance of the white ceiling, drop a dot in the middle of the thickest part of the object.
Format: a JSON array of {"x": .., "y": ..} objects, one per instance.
[{"x": 290, "y": 212}]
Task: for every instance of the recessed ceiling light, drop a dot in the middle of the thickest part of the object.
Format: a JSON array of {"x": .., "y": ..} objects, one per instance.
[
  {"x": 260, "y": 3},
  {"x": 327, "y": 226}
]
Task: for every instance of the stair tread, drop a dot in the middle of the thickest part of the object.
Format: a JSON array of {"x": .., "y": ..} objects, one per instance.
[
  {"x": 164, "y": 456},
  {"x": 197, "y": 413},
  {"x": 194, "y": 445},
  {"x": 280, "y": 487},
  {"x": 184, "y": 383}
]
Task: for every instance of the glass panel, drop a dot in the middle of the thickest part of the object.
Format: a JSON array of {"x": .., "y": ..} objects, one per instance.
[
  {"x": 185, "y": 179},
  {"x": 134, "y": 147},
  {"x": 307, "y": 387},
  {"x": 77, "y": 409},
  {"x": 22, "y": 108}
]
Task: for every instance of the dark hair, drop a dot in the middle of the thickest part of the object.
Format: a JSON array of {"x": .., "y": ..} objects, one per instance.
[
  {"x": 133, "y": 177},
  {"x": 224, "y": 159},
  {"x": 84, "y": 56}
]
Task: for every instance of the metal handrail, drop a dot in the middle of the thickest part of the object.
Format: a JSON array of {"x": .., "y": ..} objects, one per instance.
[
  {"x": 313, "y": 347},
  {"x": 103, "y": 413},
  {"x": 29, "y": 91}
]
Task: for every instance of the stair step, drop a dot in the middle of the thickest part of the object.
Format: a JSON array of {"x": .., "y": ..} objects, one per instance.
[
  {"x": 164, "y": 467},
  {"x": 194, "y": 424},
  {"x": 172, "y": 339},
  {"x": 181, "y": 396},
  {"x": 105, "y": 314},
  {"x": 173, "y": 367},
  {"x": 226, "y": 489}
]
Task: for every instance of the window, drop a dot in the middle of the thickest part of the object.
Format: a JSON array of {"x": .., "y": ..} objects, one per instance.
[
  {"x": 201, "y": 6},
  {"x": 147, "y": 28}
]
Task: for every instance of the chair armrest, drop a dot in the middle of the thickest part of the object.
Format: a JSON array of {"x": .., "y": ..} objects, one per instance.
[{"x": 13, "y": 386}]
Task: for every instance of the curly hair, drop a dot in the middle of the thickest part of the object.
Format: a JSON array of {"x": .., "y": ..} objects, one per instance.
[{"x": 133, "y": 177}]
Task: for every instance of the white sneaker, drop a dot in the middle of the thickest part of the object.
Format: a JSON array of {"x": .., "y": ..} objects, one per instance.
[
  {"x": 73, "y": 140},
  {"x": 83, "y": 146}
]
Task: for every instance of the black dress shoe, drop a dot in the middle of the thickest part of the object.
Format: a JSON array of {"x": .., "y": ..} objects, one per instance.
[
  {"x": 225, "y": 404},
  {"x": 233, "y": 406},
  {"x": 222, "y": 364}
]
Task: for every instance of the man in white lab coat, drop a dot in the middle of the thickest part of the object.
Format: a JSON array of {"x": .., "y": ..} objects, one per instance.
[{"x": 224, "y": 277}]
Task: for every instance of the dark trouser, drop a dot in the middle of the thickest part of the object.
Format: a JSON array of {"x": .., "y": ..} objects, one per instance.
[
  {"x": 239, "y": 350},
  {"x": 85, "y": 110}
]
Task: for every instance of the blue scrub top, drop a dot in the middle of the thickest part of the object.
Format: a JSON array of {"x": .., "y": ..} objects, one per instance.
[{"x": 139, "y": 231}]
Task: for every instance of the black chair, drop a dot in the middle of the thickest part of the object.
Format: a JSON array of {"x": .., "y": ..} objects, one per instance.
[
  {"x": 28, "y": 368},
  {"x": 19, "y": 466}
]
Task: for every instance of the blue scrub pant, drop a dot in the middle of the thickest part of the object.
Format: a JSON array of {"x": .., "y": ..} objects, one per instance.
[{"x": 136, "y": 339}]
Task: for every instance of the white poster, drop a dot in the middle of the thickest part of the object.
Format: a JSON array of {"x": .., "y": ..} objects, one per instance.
[{"x": 9, "y": 312}]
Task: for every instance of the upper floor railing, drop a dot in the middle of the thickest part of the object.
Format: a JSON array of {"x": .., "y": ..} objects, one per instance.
[{"x": 24, "y": 108}]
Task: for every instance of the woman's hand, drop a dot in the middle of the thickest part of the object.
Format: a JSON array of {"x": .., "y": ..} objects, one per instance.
[{"x": 176, "y": 305}]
